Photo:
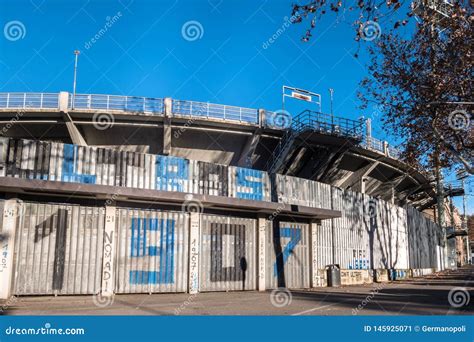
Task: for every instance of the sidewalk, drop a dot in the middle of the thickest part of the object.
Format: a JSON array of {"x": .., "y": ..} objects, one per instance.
[{"x": 420, "y": 296}]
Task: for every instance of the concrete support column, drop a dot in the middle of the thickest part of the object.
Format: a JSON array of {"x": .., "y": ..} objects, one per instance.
[
  {"x": 362, "y": 185},
  {"x": 385, "y": 148},
  {"x": 10, "y": 214},
  {"x": 313, "y": 252},
  {"x": 168, "y": 102},
  {"x": 262, "y": 118},
  {"x": 194, "y": 244},
  {"x": 109, "y": 247},
  {"x": 3, "y": 156},
  {"x": 63, "y": 101},
  {"x": 262, "y": 227}
]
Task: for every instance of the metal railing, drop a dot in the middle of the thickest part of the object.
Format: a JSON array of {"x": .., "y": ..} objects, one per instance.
[
  {"x": 314, "y": 122},
  {"x": 29, "y": 100},
  {"x": 324, "y": 123},
  {"x": 327, "y": 124},
  {"x": 214, "y": 111},
  {"x": 372, "y": 143},
  {"x": 131, "y": 104}
]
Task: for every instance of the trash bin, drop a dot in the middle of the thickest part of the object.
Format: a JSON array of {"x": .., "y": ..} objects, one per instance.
[{"x": 334, "y": 275}]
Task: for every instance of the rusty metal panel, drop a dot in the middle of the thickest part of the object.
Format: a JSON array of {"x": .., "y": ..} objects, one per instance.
[
  {"x": 152, "y": 251},
  {"x": 288, "y": 262},
  {"x": 58, "y": 249},
  {"x": 228, "y": 253}
]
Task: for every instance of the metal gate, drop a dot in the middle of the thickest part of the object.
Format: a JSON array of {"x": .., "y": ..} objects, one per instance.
[
  {"x": 152, "y": 251},
  {"x": 288, "y": 263},
  {"x": 228, "y": 253},
  {"x": 58, "y": 249}
]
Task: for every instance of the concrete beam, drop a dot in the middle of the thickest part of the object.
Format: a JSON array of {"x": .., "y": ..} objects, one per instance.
[
  {"x": 76, "y": 136},
  {"x": 168, "y": 102},
  {"x": 359, "y": 175},
  {"x": 389, "y": 186},
  {"x": 74, "y": 132},
  {"x": 7, "y": 246},
  {"x": 247, "y": 155},
  {"x": 118, "y": 193}
]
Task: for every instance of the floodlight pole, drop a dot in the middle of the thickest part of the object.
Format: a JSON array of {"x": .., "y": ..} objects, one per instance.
[{"x": 76, "y": 53}]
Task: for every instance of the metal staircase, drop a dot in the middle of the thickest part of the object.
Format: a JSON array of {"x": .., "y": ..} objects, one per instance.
[{"x": 310, "y": 121}]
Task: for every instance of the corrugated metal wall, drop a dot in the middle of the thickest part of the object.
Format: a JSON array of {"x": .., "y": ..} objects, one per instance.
[
  {"x": 370, "y": 234},
  {"x": 351, "y": 238},
  {"x": 287, "y": 255},
  {"x": 152, "y": 251},
  {"x": 81, "y": 164},
  {"x": 58, "y": 249},
  {"x": 294, "y": 190},
  {"x": 228, "y": 253},
  {"x": 426, "y": 248},
  {"x": 390, "y": 240}
]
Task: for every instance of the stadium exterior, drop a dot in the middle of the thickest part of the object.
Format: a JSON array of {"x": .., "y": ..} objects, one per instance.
[{"x": 116, "y": 194}]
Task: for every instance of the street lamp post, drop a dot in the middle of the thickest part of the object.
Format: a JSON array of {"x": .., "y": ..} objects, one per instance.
[{"x": 76, "y": 53}]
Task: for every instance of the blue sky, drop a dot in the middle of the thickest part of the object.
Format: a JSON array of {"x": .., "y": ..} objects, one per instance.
[{"x": 144, "y": 52}]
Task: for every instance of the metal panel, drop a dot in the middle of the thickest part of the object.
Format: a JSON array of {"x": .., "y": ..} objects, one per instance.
[
  {"x": 58, "y": 249},
  {"x": 92, "y": 165},
  {"x": 228, "y": 253},
  {"x": 351, "y": 236},
  {"x": 294, "y": 190},
  {"x": 213, "y": 179},
  {"x": 288, "y": 263},
  {"x": 152, "y": 251},
  {"x": 425, "y": 241},
  {"x": 249, "y": 184}
]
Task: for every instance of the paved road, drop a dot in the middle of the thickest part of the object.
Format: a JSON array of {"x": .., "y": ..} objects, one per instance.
[{"x": 421, "y": 296}]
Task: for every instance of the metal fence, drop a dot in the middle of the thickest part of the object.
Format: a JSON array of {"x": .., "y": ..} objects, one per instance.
[
  {"x": 215, "y": 111},
  {"x": 131, "y": 104},
  {"x": 328, "y": 124},
  {"x": 28, "y": 100}
]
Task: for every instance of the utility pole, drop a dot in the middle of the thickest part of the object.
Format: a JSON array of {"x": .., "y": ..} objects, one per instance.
[{"x": 76, "y": 53}]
